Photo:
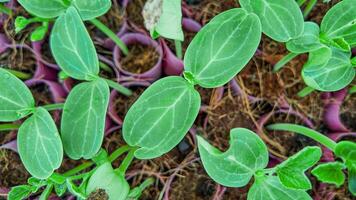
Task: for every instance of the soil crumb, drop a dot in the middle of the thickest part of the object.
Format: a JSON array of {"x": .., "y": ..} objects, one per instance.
[
  {"x": 99, "y": 194},
  {"x": 12, "y": 171}
]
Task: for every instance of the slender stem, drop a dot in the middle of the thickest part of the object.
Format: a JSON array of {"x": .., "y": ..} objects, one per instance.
[
  {"x": 57, "y": 106},
  {"x": 352, "y": 90},
  {"x": 19, "y": 74},
  {"x": 4, "y": 9},
  {"x": 111, "y": 35},
  {"x": 179, "y": 50},
  {"x": 118, "y": 87},
  {"x": 301, "y": 2},
  {"x": 146, "y": 183},
  {"x": 319, "y": 137},
  {"x": 126, "y": 162},
  {"x": 45, "y": 194},
  {"x": 105, "y": 67},
  {"x": 309, "y": 8},
  {"x": 306, "y": 91},
  {"x": 118, "y": 152},
  {"x": 9, "y": 127},
  {"x": 286, "y": 59}
]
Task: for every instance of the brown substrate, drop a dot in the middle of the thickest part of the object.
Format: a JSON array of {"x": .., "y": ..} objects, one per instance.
[
  {"x": 140, "y": 59},
  {"x": 134, "y": 12},
  {"x": 348, "y": 112},
  {"x": 98, "y": 195},
  {"x": 42, "y": 94},
  {"x": 12, "y": 172},
  {"x": 123, "y": 103}
]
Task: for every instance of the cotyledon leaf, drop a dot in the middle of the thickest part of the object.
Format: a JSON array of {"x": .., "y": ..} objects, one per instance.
[
  {"x": 333, "y": 75},
  {"x": 270, "y": 188},
  {"x": 291, "y": 171},
  {"x": 282, "y": 20},
  {"x": 223, "y": 47},
  {"x": 90, "y": 9},
  {"x": 39, "y": 144},
  {"x": 72, "y": 47},
  {"x": 83, "y": 119},
  {"x": 236, "y": 166},
  {"x": 340, "y": 22},
  {"x": 161, "y": 117},
  {"x": 308, "y": 41},
  {"x": 14, "y": 97},
  {"x": 44, "y": 8}
]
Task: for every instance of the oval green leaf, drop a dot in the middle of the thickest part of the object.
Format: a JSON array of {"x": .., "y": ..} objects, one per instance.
[
  {"x": 14, "y": 97},
  {"x": 330, "y": 173},
  {"x": 83, "y": 119},
  {"x": 161, "y": 117},
  {"x": 236, "y": 166},
  {"x": 270, "y": 188},
  {"x": 340, "y": 22},
  {"x": 107, "y": 179},
  {"x": 223, "y": 47},
  {"x": 90, "y": 9},
  {"x": 282, "y": 20},
  {"x": 39, "y": 144},
  {"x": 291, "y": 172},
  {"x": 333, "y": 75},
  {"x": 72, "y": 47},
  {"x": 44, "y": 8},
  {"x": 308, "y": 41}
]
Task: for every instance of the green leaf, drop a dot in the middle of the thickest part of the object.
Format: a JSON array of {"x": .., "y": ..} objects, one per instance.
[
  {"x": 20, "y": 192},
  {"x": 330, "y": 173},
  {"x": 340, "y": 22},
  {"x": 72, "y": 47},
  {"x": 105, "y": 178},
  {"x": 21, "y": 23},
  {"x": 352, "y": 179},
  {"x": 223, "y": 47},
  {"x": 282, "y": 20},
  {"x": 346, "y": 150},
  {"x": 333, "y": 75},
  {"x": 39, "y": 33},
  {"x": 164, "y": 17},
  {"x": 90, "y": 9},
  {"x": 60, "y": 189},
  {"x": 291, "y": 171},
  {"x": 14, "y": 97},
  {"x": 270, "y": 188},
  {"x": 161, "y": 117},
  {"x": 44, "y": 8},
  {"x": 236, "y": 166},
  {"x": 40, "y": 145},
  {"x": 72, "y": 188},
  {"x": 83, "y": 119},
  {"x": 308, "y": 41},
  {"x": 46, "y": 192}
]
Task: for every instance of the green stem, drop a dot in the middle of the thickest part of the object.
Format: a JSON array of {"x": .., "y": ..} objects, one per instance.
[
  {"x": 105, "y": 67},
  {"x": 306, "y": 91},
  {"x": 179, "y": 50},
  {"x": 126, "y": 162},
  {"x": 118, "y": 152},
  {"x": 118, "y": 87},
  {"x": 301, "y": 2},
  {"x": 111, "y": 35},
  {"x": 19, "y": 74},
  {"x": 9, "y": 127},
  {"x": 4, "y": 9},
  {"x": 57, "y": 106},
  {"x": 309, "y": 8},
  {"x": 286, "y": 59},
  {"x": 319, "y": 137},
  {"x": 352, "y": 90},
  {"x": 146, "y": 183},
  {"x": 45, "y": 194}
]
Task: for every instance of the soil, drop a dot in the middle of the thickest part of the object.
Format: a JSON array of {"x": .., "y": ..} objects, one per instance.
[
  {"x": 42, "y": 94},
  {"x": 348, "y": 112},
  {"x": 134, "y": 13},
  {"x": 12, "y": 172},
  {"x": 123, "y": 103},
  {"x": 140, "y": 59},
  {"x": 98, "y": 195}
]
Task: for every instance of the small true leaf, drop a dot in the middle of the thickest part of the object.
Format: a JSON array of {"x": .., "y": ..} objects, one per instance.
[
  {"x": 330, "y": 173},
  {"x": 90, "y": 9},
  {"x": 236, "y": 166},
  {"x": 161, "y": 117},
  {"x": 270, "y": 188},
  {"x": 44, "y": 8},
  {"x": 340, "y": 22},
  {"x": 83, "y": 119},
  {"x": 107, "y": 179},
  {"x": 72, "y": 47},
  {"x": 39, "y": 33},
  {"x": 333, "y": 75},
  {"x": 308, "y": 41},
  {"x": 14, "y": 97},
  {"x": 20, "y": 192},
  {"x": 164, "y": 17},
  {"x": 346, "y": 150},
  {"x": 282, "y": 20},
  {"x": 223, "y": 47},
  {"x": 39, "y": 144},
  {"x": 291, "y": 172}
]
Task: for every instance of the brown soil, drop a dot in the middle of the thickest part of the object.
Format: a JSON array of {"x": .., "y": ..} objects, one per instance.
[
  {"x": 12, "y": 172},
  {"x": 123, "y": 103},
  {"x": 134, "y": 12},
  {"x": 42, "y": 94},
  {"x": 348, "y": 112},
  {"x": 98, "y": 195},
  {"x": 140, "y": 59}
]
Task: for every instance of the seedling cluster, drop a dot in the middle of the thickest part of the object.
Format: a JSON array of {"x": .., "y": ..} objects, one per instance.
[{"x": 160, "y": 118}]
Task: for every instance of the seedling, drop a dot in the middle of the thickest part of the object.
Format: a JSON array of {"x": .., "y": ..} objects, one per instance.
[
  {"x": 331, "y": 172},
  {"x": 248, "y": 157},
  {"x": 329, "y": 67},
  {"x": 4, "y": 9}
]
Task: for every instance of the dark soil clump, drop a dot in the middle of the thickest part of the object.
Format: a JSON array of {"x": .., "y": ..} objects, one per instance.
[
  {"x": 134, "y": 12},
  {"x": 140, "y": 59},
  {"x": 123, "y": 103},
  {"x": 99, "y": 194},
  {"x": 12, "y": 172}
]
